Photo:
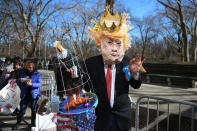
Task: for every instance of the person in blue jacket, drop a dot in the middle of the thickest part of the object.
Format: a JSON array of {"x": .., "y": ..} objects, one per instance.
[{"x": 30, "y": 82}]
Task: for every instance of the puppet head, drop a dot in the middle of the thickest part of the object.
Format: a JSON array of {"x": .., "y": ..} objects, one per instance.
[
  {"x": 111, "y": 36},
  {"x": 62, "y": 53}
]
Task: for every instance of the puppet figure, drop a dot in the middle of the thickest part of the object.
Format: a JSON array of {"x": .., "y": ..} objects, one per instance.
[
  {"x": 68, "y": 78},
  {"x": 115, "y": 72}
]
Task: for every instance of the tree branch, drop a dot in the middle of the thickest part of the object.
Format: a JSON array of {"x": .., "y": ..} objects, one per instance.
[
  {"x": 25, "y": 21},
  {"x": 45, "y": 6},
  {"x": 167, "y": 6}
]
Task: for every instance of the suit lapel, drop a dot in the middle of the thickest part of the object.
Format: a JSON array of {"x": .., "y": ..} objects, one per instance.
[
  {"x": 101, "y": 71},
  {"x": 116, "y": 79},
  {"x": 119, "y": 67}
]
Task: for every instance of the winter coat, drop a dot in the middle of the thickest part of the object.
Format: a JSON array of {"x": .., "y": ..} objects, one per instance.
[
  {"x": 16, "y": 73},
  {"x": 34, "y": 90}
]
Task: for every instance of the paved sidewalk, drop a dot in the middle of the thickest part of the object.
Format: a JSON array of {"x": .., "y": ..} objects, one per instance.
[
  {"x": 189, "y": 94},
  {"x": 7, "y": 122}
]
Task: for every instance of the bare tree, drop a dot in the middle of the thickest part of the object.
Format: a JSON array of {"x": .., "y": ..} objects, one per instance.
[
  {"x": 192, "y": 26},
  {"x": 147, "y": 30},
  {"x": 184, "y": 15},
  {"x": 172, "y": 34},
  {"x": 30, "y": 19},
  {"x": 75, "y": 28}
]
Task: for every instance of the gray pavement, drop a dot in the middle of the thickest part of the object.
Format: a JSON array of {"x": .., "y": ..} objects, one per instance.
[
  {"x": 189, "y": 94},
  {"x": 7, "y": 121}
]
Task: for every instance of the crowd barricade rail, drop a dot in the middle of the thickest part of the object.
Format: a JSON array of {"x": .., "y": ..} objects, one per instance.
[{"x": 169, "y": 104}]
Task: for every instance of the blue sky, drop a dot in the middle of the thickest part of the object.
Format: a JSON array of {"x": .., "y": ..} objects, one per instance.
[
  {"x": 140, "y": 8},
  {"x": 137, "y": 8}
]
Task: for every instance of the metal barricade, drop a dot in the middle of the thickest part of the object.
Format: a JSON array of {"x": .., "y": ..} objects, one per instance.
[
  {"x": 47, "y": 81},
  {"x": 164, "y": 113}
]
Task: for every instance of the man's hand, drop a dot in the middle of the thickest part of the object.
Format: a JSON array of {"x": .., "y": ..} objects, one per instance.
[
  {"x": 11, "y": 70},
  {"x": 29, "y": 82},
  {"x": 23, "y": 79},
  {"x": 135, "y": 64}
]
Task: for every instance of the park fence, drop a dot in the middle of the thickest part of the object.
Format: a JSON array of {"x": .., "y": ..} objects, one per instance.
[{"x": 154, "y": 113}]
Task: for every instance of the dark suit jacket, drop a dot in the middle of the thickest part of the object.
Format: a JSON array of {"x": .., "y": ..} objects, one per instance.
[{"x": 119, "y": 117}]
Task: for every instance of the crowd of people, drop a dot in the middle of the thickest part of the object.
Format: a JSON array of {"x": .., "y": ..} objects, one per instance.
[{"x": 29, "y": 81}]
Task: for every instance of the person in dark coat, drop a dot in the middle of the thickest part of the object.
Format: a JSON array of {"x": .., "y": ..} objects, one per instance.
[
  {"x": 8, "y": 64},
  {"x": 18, "y": 70},
  {"x": 112, "y": 73},
  {"x": 30, "y": 82},
  {"x": 6, "y": 72}
]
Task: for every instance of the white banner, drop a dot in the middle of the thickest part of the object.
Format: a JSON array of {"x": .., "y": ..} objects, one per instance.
[{"x": 10, "y": 97}]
